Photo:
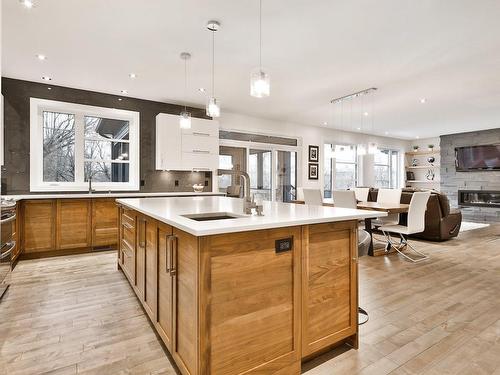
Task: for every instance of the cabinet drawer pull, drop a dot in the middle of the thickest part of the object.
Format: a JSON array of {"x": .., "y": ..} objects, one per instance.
[
  {"x": 127, "y": 225},
  {"x": 168, "y": 250},
  {"x": 201, "y": 134},
  {"x": 201, "y": 151}
]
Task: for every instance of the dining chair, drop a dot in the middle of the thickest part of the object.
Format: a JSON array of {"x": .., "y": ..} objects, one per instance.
[
  {"x": 362, "y": 193},
  {"x": 312, "y": 196},
  {"x": 344, "y": 199},
  {"x": 416, "y": 224},
  {"x": 391, "y": 196}
]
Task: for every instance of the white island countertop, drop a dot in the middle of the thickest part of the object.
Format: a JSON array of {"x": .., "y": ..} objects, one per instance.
[
  {"x": 276, "y": 214},
  {"x": 107, "y": 195}
]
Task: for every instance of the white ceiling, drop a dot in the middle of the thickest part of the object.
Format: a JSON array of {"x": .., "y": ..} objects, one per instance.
[{"x": 445, "y": 51}]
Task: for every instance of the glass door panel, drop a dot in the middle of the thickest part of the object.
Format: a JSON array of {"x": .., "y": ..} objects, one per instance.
[
  {"x": 286, "y": 184},
  {"x": 260, "y": 171},
  {"x": 231, "y": 158}
]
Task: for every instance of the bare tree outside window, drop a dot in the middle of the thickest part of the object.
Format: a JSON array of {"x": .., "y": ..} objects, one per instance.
[{"x": 58, "y": 147}]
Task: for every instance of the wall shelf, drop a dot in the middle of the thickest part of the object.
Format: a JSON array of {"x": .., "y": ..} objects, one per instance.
[
  {"x": 423, "y": 166},
  {"x": 422, "y": 153}
]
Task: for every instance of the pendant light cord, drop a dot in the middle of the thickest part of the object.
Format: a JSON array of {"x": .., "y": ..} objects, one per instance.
[
  {"x": 213, "y": 63},
  {"x": 185, "y": 85},
  {"x": 260, "y": 35}
]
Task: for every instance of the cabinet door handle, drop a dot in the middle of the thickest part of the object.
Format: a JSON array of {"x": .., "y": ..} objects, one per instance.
[
  {"x": 142, "y": 238},
  {"x": 173, "y": 256},
  {"x": 201, "y": 134},
  {"x": 201, "y": 151},
  {"x": 168, "y": 251}
]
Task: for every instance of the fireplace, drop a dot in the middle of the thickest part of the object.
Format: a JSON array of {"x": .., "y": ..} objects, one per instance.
[{"x": 482, "y": 198}]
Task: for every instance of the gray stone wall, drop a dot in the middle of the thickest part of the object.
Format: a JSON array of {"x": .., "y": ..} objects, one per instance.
[
  {"x": 16, "y": 170},
  {"x": 452, "y": 181}
]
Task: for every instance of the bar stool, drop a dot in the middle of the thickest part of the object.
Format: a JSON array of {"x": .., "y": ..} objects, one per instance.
[{"x": 363, "y": 246}]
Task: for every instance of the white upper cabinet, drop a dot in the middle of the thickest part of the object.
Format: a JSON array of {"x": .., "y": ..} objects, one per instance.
[{"x": 179, "y": 149}]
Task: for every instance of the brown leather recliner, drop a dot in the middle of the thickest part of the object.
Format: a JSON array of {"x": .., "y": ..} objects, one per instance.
[{"x": 441, "y": 222}]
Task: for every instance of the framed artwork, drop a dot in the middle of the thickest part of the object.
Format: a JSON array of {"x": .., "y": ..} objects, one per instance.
[
  {"x": 313, "y": 171},
  {"x": 314, "y": 154}
]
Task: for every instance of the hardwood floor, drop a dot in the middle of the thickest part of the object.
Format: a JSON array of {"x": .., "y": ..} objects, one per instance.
[{"x": 77, "y": 314}]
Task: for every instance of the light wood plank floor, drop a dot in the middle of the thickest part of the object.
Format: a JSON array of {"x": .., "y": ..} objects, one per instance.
[{"x": 77, "y": 314}]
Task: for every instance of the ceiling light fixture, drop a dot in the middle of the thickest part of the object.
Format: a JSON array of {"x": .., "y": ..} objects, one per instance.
[
  {"x": 185, "y": 116},
  {"x": 365, "y": 114},
  {"x": 325, "y": 123},
  {"x": 27, "y": 3},
  {"x": 132, "y": 75},
  {"x": 41, "y": 57},
  {"x": 423, "y": 100},
  {"x": 46, "y": 78},
  {"x": 260, "y": 82},
  {"x": 213, "y": 108}
]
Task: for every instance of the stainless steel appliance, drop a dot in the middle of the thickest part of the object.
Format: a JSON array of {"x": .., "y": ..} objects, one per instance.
[{"x": 7, "y": 242}]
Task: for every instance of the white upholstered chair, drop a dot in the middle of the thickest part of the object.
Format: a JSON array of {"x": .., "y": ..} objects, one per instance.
[
  {"x": 362, "y": 193},
  {"x": 344, "y": 198},
  {"x": 312, "y": 196},
  {"x": 392, "y": 196},
  {"x": 416, "y": 224}
]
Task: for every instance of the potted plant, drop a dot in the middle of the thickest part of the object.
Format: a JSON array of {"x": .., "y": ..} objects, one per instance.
[{"x": 431, "y": 147}]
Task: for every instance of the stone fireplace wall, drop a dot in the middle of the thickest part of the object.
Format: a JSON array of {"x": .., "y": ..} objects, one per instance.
[{"x": 452, "y": 181}]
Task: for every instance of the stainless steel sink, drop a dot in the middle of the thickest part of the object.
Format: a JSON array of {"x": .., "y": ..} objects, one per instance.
[{"x": 209, "y": 216}]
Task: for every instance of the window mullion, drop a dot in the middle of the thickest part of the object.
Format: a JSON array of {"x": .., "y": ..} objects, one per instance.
[{"x": 79, "y": 149}]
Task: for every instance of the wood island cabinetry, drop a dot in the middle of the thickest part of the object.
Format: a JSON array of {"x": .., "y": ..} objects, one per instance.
[{"x": 235, "y": 303}]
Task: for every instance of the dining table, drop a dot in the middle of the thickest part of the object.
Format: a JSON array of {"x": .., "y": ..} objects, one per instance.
[{"x": 390, "y": 208}]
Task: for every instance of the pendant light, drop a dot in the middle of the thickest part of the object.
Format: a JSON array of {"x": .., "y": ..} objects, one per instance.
[
  {"x": 260, "y": 83},
  {"x": 185, "y": 116},
  {"x": 213, "y": 108}
]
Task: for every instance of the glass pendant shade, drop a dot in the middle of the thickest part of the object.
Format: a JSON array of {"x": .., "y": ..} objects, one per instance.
[
  {"x": 260, "y": 84},
  {"x": 372, "y": 148},
  {"x": 185, "y": 120},
  {"x": 213, "y": 109},
  {"x": 361, "y": 150}
]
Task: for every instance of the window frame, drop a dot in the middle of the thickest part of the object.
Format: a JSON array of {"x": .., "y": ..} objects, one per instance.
[
  {"x": 333, "y": 168},
  {"x": 393, "y": 183},
  {"x": 38, "y": 106}
]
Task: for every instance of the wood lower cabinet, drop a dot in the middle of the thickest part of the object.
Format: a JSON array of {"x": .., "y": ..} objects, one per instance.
[
  {"x": 73, "y": 224},
  {"x": 127, "y": 241},
  {"x": 38, "y": 225},
  {"x": 151, "y": 268},
  {"x": 166, "y": 274},
  {"x": 329, "y": 285},
  {"x": 58, "y": 226},
  {"x": 104, "y": 222},
  {"x": 238, "y": 303}
]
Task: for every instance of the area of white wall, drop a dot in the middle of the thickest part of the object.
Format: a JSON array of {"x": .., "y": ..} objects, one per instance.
[{"x": 312, "y": 135}]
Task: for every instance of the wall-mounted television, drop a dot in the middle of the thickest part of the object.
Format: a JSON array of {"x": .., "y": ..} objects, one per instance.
[{"x": 477, "y": 158}]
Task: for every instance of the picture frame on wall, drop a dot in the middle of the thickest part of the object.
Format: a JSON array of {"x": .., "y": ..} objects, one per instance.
[
  {"x": 313, "y": 171},
  {"x": 313, "y": 154}
]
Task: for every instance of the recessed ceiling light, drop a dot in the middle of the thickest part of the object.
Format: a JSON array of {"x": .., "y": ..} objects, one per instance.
[
  {"x": 124, "y": 92},
  {"x": 386, "y": 133},
  {"x": 423, "y": 100},
  {"x": 365, "y": 114},
  {"x": 46, "y": 78},
  {"x": 201, "y": 89},
  {"x": 325, "y": 123},
  {"x": 27, "y": 3},
  {"x": 418, "y": 137},
  {"x": 132, "y": 75},
  {"x": 41, "y": 57},
  {"x": 358, "y": 128}
]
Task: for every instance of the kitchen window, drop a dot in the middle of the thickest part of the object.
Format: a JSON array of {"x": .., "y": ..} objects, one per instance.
[
  {"x": 71, "y": 144},
  {"x": 341, "y": 168},
  {"x": 386, "y": 168}
]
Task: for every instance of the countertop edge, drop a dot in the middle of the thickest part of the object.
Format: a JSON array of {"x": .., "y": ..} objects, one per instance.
[
  {"x": 211, "y": 232},
  {"x": 20, "y": 197}
]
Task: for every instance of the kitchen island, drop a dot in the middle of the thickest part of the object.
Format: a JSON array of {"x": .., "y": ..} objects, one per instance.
[{"x": 230, "y": 293}]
